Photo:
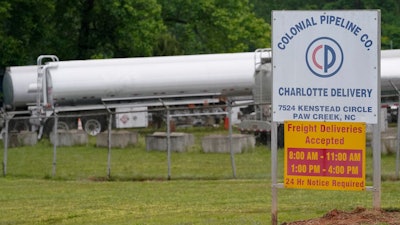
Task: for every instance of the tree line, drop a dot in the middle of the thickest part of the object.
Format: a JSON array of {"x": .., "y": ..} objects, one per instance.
[{"x": 87, "y": 29}]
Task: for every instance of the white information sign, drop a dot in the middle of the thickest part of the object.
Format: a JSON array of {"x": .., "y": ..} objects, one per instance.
[
  {"x": 326, "y": 65},
  {"x": 131, "y": 117}
]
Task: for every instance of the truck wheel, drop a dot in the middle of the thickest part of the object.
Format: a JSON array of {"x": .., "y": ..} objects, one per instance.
[
  {"x": 49, "y": 126},
  {"x": 92, "y": 127}
]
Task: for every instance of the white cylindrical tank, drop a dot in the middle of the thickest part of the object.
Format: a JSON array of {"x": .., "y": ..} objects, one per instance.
[
  {"x": 390, "y": 71},
  {"x": 16, "y": 82},
  {"x": 79, "y": 81}
]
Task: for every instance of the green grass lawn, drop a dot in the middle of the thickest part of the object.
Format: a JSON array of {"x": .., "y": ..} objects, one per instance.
[{"x": 201, "y": 190}]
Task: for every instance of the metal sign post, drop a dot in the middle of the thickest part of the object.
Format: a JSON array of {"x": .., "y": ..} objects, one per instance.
[
  {"x": 398, "y": 142},
  {"x": 326, "y": 68},
  {"x": 274, "y": 173},
  {"x": 376, "y": 154}
]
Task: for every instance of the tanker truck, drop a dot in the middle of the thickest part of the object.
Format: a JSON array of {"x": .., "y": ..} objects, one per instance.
[
  {"x": 32, "y": 95},
  {"x": 390, "y": 82}
]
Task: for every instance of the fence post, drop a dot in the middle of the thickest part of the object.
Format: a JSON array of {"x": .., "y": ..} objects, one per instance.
[
  {"x": 55, "y": 139},
  {"x": 168, "y": 143},
  {"x": 230, "y": 138},
  {"x": 5, "y": 139},
  {"x": 274, "y": 173},
  {"x": 109, "y": 145},
  {"x": 376, "y": 154}
]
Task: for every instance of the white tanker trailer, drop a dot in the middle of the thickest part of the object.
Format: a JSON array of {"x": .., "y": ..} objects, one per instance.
[
  {"x": 390, "y": 81},
  {"x": 87, "y": 86},
  {"x": 78, "y": 82}
]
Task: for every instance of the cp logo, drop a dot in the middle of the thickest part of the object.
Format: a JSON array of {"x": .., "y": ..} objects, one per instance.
[{"x": 324, "y": 57}]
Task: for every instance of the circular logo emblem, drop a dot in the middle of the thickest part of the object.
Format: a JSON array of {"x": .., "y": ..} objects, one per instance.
[{"x": 324, "y": 57}]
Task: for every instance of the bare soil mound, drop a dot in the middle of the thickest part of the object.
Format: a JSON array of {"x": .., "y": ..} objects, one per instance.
[{"x": 357, "y": 216}]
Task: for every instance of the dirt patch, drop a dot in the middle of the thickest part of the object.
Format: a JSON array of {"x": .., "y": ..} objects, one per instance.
[{"x": 357, "y": 216}]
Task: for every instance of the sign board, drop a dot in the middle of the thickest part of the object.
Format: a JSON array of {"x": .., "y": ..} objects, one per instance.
[
  {"x": 130, "y": 117},
  {"x": 326, "y": 65},
  {"x": 324, "y": 155}
]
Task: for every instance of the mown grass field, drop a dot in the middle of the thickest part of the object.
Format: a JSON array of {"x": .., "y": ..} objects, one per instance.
[{"x": 201, "y": 190}]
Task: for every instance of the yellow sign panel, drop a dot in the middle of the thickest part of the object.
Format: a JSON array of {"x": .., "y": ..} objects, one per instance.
[{"x": 324, "y": 155}]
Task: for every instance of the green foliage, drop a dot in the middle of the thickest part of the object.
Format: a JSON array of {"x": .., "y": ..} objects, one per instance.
[
  {"x": 127, "y": 28},
  {"x": 25, "y": 31},
  {"x": 215, "y": 26},
  {"x": 390, "y": 12},
  {"x": 83, "y": 29},
  {"x": 108, "y": 28}
]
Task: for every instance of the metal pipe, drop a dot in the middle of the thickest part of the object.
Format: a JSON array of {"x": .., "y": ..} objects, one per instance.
[
  {"x": 5, "y": 139},
  {"x": 230, "y": 139},
  {"x": 168, "y": 143},
  {"x": 377, "y": 166},
  {"x": 109, "y": 146},
  {"x": 55, "y": 142},
  {"x": 274, "y": 173}
]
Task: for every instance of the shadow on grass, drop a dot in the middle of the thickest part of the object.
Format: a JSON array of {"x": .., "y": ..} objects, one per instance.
[{"x": 144, "y": 179}]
